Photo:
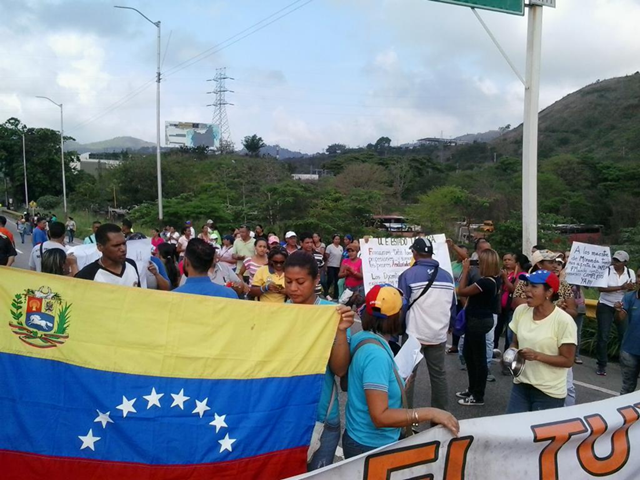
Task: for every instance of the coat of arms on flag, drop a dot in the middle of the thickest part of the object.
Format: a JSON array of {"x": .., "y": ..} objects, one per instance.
[{"x": 46, "y": 320}]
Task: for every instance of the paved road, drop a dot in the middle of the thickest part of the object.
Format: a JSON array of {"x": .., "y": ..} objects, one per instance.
[{"x": 24, "y": 249}]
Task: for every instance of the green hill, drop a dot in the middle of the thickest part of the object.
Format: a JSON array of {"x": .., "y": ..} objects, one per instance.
[
  {"x": 116, "y": 144},
  {"x": 601, "y": 119}
]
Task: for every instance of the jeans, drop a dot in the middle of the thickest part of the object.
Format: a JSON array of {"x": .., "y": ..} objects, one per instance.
[
  {"x": 605, "y": 316},
  {"x": 630, "y": 367},
  {"x": 71, "y": 235},
  {"x": 332, "y": 281},
  {"x": 351, "y": 448},
  {"x": 570, "y": 401},
  {"x": 328, "y": 443},
  {"x": 22, "y": 234},
  {"x": 475, "y": 354},
  {"x": 579, "y": 321},
  {"x": 434, "y": 356},
  {"x": 489, "y": 340},
  {"x": 504, "y": 319},
  {"x": 527, "y": 398}
]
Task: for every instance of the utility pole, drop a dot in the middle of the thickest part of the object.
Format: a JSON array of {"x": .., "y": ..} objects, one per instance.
[
  {"x": 158, "y": 79},
  {"x": 220, "y": 106},
  {"x": 530, "y": 130},
  {"x": 24, "y": 164},
  {"x": 64, "y": 180}
]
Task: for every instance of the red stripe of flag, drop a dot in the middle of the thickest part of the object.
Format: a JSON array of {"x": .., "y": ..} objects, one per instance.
[{"x": 274, "y": 465}]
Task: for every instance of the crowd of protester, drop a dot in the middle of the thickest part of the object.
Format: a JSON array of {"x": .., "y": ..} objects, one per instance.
[{"x": 524, "y": 299}]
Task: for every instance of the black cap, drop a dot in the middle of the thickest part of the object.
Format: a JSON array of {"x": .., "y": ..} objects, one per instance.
[{"x": 423, "y": 246}]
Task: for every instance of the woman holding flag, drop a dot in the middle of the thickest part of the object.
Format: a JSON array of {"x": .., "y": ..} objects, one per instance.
[{"x": 301, "y": 279}]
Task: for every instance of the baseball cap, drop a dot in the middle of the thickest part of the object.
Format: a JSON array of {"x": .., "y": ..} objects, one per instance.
[
  {"x": 560, "y": 259},
  {"x": 290, "y": 234},
  {"x": 541, "y": 277},
  {"x": 188, "y": 222},
  {"x": 209, "y": 221},
  {"x": 621, "y": 256},
  {"x": 543, "y": 255},
  {"x": 273, "y": 239},
  {"x": 422, "y": 245},
  {"x": 383, "y": 301}
]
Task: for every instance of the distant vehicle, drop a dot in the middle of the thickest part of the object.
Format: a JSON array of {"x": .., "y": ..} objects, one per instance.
[
  {"x": 395, "y": 225},
  {"x": 580, "y": 232}
]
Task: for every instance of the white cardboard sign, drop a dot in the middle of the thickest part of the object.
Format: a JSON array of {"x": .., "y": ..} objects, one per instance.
[
  {"x": 588, "y": 265},
  {"x": 384, "y": 259}
]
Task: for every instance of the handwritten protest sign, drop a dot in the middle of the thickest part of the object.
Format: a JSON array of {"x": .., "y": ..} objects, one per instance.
[
  {"x": 384, "y": 259},
  {"x": 588, "y": 265}
]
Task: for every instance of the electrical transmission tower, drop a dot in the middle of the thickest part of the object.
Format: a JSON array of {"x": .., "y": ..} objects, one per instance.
[{"x": 220, "y": 107}]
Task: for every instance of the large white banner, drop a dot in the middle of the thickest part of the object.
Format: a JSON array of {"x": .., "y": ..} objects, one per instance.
[
  {"x": 384, "y": 259},
  {"x": 593, "y": 440},
  {"x": 588, "y": 265}
]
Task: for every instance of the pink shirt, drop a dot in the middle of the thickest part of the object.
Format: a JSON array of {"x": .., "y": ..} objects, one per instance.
[
  {"x": 156, "y": 241},
  {"x": 351, "y": 281}
]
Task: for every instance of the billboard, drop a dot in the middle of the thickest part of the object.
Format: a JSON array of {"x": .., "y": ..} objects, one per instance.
[{"x": 191, "y": 134}]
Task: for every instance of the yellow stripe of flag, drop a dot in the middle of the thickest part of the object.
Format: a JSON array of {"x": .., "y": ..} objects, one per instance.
[{"x": 148, "y": 332}]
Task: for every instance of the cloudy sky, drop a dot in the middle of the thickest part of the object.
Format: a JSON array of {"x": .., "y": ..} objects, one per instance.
[{"x": 345, "y": 71}]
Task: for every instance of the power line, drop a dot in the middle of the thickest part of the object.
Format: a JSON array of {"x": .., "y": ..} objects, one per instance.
[
  {"x": 221, "y": 46},
  {"x": 115, "y": 105}
]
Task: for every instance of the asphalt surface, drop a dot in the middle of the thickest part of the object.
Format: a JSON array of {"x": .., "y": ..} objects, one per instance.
[
  {"x": 24, "y": 249},
  {"x": 589, "y": 386}
]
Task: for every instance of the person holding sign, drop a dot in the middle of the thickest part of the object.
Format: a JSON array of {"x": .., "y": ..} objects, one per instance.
[
  {"x": 376, "y": 403},
  {"x": 619, "y": 280},
  {"x": 546, "y": 336}
]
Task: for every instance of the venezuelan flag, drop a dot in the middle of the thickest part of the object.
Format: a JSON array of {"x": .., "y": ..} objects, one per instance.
[{"x": 107, "y": 382}]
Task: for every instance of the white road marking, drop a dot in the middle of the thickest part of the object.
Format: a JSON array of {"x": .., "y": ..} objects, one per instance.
[
  {"x": 19, "y": 251},
  {"x": 595, "y": 387}
]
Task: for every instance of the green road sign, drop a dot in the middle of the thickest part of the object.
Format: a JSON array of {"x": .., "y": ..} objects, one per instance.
[{"x": 514, "y": 7}]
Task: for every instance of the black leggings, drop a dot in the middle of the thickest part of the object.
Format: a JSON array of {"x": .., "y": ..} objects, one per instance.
[
  {"x": 332, "y": 280},
  {"x": 475, "y": 354}
]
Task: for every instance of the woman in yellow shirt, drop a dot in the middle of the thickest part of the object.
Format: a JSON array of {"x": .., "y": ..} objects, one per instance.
[
  {"x": 268, "y": 282},
  {"x": 546, "y": 336}
]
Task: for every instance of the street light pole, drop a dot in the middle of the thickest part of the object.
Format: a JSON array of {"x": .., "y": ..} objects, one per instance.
[
  {"x": 24, "y": 163},
  {"x": 64, "y": 180},
  {"x": 158, "y": 79}
]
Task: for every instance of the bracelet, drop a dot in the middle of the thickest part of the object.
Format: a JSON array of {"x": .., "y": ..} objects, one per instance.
[{"x": 416, "y": 420}]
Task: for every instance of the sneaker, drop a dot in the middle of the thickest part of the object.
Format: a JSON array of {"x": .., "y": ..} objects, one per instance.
[
  {"x": 491, "y": 378},
  {"x": 465, "y": 394},
  {"x": 463, "y": 368},
  {"x": 470, "y": 402},
  {"x": 578, "y": 361},
  {"x": 452, "y": 350},
  {"x": 601, "y": 371}
]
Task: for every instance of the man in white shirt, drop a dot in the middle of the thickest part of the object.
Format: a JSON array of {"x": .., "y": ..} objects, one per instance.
[
  {"x": 113, "y": 267},
  {"x": 620, "y": 280},
  {"x": 56, "y": 233}
]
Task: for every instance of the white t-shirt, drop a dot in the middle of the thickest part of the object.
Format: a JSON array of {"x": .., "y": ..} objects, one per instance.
[
  {"x": 35, "y": 259},
  {"x": 182, "y": 244},
  {"x": 615, "y": 280},
  {"x": 334, "y": 255},
  {"x": 95, "y": 271}
]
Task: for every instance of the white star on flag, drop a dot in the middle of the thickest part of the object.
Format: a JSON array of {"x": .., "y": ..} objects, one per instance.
[
  {"x": 153, "y": 398},
  {"x": 127, "y": 406},
  {"x": 201, "y": 407},
  {"x": 179, "y": 399},
  {"x": 103, "y": 418},
  {"x": 218, "y": 421},
  {"x": 225, "y": 443},
  {"x": 89, "y": 440}
]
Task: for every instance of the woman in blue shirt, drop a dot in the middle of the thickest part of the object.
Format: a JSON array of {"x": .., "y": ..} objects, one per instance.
[
  {"x": 301, "y": 277},
  {"x": 375, "y": 413}
]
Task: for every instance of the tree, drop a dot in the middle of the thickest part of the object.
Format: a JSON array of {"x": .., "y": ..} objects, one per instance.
[
  {"x": 439, "y": 209},
  {"x": 382, "y": 145},
  {"x": 336, "y": 149},
  {"x": 253, "y": 144},
  {"x": 504, "y": 129}
]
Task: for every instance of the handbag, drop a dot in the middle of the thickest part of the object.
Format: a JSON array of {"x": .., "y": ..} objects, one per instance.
[
  {"x": 344, "y": 381},
  {"x": 461, "y": 323},
  {"x": 318, "y": 428}
]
